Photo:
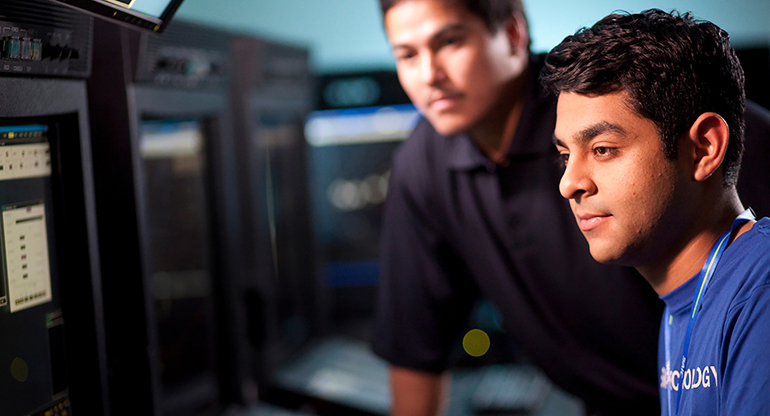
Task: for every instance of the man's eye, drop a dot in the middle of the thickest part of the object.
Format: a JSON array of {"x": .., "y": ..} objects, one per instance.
[
  {"x": 450, "y": 40},
  {"x": 403, "y": 54},
  {"x": 603, "y": 151},
  {"x": 563, "y": 159}
]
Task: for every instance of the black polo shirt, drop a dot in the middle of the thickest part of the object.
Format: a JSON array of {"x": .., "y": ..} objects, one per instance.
[
  {"x": 457, "y": 226},
  {"x": 754, "y": 179}
]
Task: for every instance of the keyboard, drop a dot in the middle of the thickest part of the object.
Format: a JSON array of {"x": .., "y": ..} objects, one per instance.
[
  {"x": 510, "y": 389},
  {"x": 342, "y": 371}
]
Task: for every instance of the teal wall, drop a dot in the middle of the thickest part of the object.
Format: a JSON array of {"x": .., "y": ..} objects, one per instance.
[{"x": 346, "y": 35}]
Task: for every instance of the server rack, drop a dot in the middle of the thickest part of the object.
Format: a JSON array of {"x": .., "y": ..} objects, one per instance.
[
  {"x": 295, "y": 357},
  {"x": 52, "y": 332},
  {"x": 165, "y": 201},
  {"x": 271, "y": 94}
]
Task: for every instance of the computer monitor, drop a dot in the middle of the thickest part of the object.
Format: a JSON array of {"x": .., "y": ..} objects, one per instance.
[
  {"x": 152, "y": 15},
  {"x": 350, "y": 157},
  {"x": 362, "y": 118}
]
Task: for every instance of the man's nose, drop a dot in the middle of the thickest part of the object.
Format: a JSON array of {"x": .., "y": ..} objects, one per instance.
[
  {"x": 576, "y": 180},
  {"x": 431, "y": 70}
]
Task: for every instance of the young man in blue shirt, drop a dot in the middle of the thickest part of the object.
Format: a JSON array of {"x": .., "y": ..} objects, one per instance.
[{"x": 650, "y": 125}]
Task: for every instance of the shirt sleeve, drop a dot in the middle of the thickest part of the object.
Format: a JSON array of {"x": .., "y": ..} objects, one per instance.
[
  {"x": 747, "y": 369},
  {"x": 425, "y": 296}
]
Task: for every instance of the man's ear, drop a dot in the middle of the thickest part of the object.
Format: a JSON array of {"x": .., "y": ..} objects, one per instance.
[
  {"x": 706, "y": 145},
  {"x": 518, "y": 33}
]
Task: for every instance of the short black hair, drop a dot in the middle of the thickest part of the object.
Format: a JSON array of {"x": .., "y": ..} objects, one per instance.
[
  {"x": 672, "y": 67},
  {"x": 494, "y": 13}
]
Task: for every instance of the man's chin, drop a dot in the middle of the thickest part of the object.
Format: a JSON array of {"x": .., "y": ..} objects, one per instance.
[
  {"x": 604, "y": 256},
  {"x": 448, "y": 127}
]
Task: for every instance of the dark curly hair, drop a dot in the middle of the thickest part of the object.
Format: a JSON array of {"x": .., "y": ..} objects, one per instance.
[
  {"x": 673, "y": 68},
  {"x": 494, "y": 13}
]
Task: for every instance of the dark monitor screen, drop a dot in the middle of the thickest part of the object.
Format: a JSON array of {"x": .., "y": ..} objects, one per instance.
[
  {"x": 151, "y": 15},
  {"x": 350, "y": 155},
  {"x": 31, "y": 345},
  {"x": 174, "y": 160}
]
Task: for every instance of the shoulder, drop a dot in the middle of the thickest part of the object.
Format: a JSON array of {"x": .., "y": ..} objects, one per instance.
[
  {"x": 537, "y": 121},
  {"x": 752, "y": 180},
  {"x": 757, "y": 133},
  {"x": 757, "y": 118},
  {"x": 756, "y": 248},
  {"x": 754, "y": 251},
  {"x": 751, "y": 266}
]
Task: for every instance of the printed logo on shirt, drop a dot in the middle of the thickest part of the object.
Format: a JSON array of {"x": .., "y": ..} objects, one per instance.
[{"x": 694, "y": 378}]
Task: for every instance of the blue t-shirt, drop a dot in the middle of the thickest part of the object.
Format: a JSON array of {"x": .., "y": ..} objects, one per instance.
[{"x": 728, "y": 364}]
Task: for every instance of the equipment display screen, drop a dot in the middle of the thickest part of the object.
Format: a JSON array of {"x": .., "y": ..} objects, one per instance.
[
  {"x": 25, "y": 240},
  {"x": 25, "y": 170},
  {"x": 154, "y": 8},
  {"x": 31, "y": 320}
]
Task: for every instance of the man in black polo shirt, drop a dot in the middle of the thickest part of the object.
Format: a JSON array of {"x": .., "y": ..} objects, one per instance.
[{"x": 474, "y": 210}]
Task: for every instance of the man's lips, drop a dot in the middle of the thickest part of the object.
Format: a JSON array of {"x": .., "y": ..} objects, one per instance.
[
  {"x": 444, "y": 100},
  {"x": 588, "y": 222}
]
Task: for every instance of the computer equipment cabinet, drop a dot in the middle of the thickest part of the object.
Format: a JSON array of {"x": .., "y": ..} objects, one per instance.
[
  {"x": 52, "y": 348},
  {"x": 167, "y": 216}
]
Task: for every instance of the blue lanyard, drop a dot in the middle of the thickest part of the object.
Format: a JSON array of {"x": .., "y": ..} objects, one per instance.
[{"x": 703, "y": 281}]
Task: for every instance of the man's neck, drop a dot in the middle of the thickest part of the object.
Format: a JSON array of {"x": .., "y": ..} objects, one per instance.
[
  {"x": 494, "y": 133},
  {"x": 686, "y": 262}
]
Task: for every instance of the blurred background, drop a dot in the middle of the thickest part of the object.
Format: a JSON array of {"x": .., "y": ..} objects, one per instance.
[
  {"x": 347, "y": 35},
  {"x": 211, "y": 198}
]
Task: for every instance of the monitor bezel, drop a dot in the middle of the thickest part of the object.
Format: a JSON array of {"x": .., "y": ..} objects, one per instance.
[{"x": 126, "y": 17}]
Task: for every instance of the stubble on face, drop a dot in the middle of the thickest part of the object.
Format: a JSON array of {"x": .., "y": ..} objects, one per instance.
[{"x": 624, "y": 192}]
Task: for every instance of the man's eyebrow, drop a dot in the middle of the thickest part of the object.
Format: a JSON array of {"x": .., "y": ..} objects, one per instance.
[
  {"x": 443, "y": 32},
  {"x": 587, "y": 134},
  {"x": 556, "y": 141}
]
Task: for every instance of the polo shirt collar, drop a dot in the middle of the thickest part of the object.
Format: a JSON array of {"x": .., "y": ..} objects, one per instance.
[{"x": 464, "y": 154}]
